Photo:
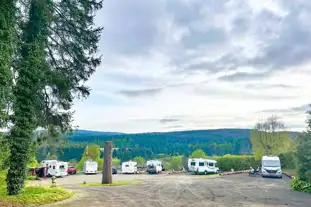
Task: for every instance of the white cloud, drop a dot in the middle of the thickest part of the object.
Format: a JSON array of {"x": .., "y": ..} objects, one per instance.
[{"x": 199, "y": 65}]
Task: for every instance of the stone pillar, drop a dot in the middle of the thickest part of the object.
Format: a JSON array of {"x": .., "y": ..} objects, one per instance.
[{"x": 107, "y": 170}]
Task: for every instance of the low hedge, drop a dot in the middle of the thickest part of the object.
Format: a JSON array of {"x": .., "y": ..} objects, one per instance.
[
  {"x": 301, "y": 186},
  {"x": 236, "y": 162}
]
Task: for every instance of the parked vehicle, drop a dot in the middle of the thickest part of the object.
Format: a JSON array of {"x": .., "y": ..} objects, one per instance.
[
  {"x": 203, "y": 166},
  {"x": 90, "y": 167},
  {"x": 55, "y": 168},
  {"x": 114, "y": 170},
  {"x": 72, "y": 170},
  {"x": 154, "y": 166},
  {"x": 271, "y": 166},
  {"x": 129, "y": 167}
]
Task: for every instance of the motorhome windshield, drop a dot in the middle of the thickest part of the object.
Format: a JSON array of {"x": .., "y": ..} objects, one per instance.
[{"x": 271, "y": 163}]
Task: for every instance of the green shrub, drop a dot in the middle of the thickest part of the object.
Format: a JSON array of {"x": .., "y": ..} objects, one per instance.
[
  {"x": 300, "y": 185},
  {"x": 236, "y": 162},
  {"x": 288, "y": 160}
]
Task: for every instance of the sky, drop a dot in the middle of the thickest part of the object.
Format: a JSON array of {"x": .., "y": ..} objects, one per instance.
[{"x": 171, "y": 65}]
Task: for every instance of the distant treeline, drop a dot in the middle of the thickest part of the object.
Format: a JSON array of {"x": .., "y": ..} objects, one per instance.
[{"x": 148, "y": 145}]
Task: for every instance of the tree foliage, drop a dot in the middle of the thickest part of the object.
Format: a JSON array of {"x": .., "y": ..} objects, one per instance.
[
  {"x": 91, "y": 152},
  {"x": 55, "y": 57},
  {"x": 176, "y": 163},
  {"x": 304, "y": 153},
  {"x": 269, "y": 138},
  {"x": 140, "y": 160},
  {"x": 198, "y": 154},
  {"x": 116, "y": 161}
]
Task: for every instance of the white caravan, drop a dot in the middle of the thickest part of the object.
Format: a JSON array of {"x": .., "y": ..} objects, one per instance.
[
  {"x": 203, "y": 166},
  {"x": 154, "y": 166},
  {"x": 129, "y": 167},
  {"x": 192, "y": 163},
  {"x": 90, "y": 167},
  {"x": 271, "y": 166},
  {"x": 55, "y": 168}
]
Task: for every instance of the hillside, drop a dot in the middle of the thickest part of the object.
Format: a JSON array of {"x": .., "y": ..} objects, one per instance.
[{"x": 150, "y": 145}]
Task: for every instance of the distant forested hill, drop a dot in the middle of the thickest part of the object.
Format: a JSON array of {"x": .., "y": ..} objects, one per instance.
[{"x": 150, "y": 145}]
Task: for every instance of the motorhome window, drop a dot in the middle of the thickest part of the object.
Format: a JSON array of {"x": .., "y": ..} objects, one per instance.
[
  {"x": 53, "y": 167},
  {"x": 192, "y": 163},
  {"x": 62, "y": 167},
  {"x": 126, "y": 165},
  {"x": 201, "y": 163},
  {"x": 271, "y": 163},
  {"x": 211, "y": 164}
]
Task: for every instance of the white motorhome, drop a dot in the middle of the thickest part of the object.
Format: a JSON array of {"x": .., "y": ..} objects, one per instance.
[
  {"x": 202, "y": 166},
  {"x": 154, "y": 166},
  {"x": 271, "y": 166},
  {"x": 129, "y": 167},
  {"x": 55, "y": 168},
  {"x": 90, "y": 167}
]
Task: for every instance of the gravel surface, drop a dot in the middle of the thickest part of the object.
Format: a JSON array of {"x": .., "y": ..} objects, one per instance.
[{"x": 186, "y": 190}]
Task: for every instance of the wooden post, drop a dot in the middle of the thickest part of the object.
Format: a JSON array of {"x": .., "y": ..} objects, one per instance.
[{"x": 107, "y": 170}]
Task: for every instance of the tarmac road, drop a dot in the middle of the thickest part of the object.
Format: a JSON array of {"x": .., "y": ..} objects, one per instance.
[{"x": 190, "y": 190}]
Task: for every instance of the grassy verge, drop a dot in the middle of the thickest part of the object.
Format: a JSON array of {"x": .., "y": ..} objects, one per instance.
[
  {"x": 31, "y": 195},
  {"x": 118, "y": 183},
  {"x": 36, "y": 195}
]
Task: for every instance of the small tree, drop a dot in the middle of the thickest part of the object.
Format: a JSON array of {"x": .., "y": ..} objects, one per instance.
[
  {"x": 176, "y": 163},
  {"x": 270, "y": 138},
  {"x": 140, "y": 160},
  {"x": 91, "y": 152},
  {"x": 115, "y": 161},
  {"x": 198, "y": 154}
]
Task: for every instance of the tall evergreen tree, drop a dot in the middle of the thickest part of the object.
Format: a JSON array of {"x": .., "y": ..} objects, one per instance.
[
  {"x": 26, "y": 100},
  {"x": 7, "y": 33},
  {"x": 58, "y": 54}
]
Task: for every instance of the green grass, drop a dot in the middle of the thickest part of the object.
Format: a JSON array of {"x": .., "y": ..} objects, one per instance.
[
  {"x": 118, "y": 183},
  {"x": 32, "y": 195}
]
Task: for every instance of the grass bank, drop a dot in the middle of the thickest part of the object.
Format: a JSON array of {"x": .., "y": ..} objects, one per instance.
[
  {"x": 118, "y": 183},
  {"x": 32, "y": 195}
]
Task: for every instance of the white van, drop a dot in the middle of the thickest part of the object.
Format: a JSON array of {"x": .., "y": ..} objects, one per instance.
[
  {"x": 271, "y": 166},
  {"x": 129, "y": 167},
  {"x": 191, "y": 163},
  {"x": 203, "y": 166},
  {"x": 55, "y": 168},
  {"x": 154, "y": 166},
  {"x": 90, "y": 167}
]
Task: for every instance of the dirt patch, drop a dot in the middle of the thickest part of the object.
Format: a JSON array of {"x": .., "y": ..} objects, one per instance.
[{"x": 187, "y": 190}]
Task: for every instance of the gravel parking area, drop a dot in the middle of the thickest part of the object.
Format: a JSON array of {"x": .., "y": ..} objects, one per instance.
[{"x": 186, "y": 190}]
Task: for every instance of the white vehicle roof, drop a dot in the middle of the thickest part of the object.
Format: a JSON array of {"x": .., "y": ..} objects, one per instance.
[
  {"x": 270, "y": 158},
  {"x": 129, "y": 162},
  {"x": 154, "y": 161},
  {"x": 202, "y": 160}
]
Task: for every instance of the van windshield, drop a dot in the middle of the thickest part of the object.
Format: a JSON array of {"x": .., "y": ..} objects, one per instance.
[{"x": 271, "y": 163}]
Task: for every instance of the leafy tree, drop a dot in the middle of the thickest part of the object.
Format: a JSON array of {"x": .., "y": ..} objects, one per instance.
[
  {"x": 198, "y": 154},
  {"x": 176, "y": 163},
  {"x": 115, "y": 161},
  {"x": 304, "y": 153},
  {"x": 140, "y": 160},
  {"x": 91, "y": 152},
  {"x": 269, "y": 138}
]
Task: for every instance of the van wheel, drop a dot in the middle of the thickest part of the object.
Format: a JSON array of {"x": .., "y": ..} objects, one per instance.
[{"x": 205, "y": 172}]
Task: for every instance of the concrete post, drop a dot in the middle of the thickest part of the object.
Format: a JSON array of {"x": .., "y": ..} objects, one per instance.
[{"x": 107, "y": 170}]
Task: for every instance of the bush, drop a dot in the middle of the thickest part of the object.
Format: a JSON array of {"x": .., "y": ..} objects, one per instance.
[
  {"x": 176, "y": 163},
  {"x": 300, "y": 185},
  {"x": 236, "y": 162},
  {"x": 288, "y": 160}
]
